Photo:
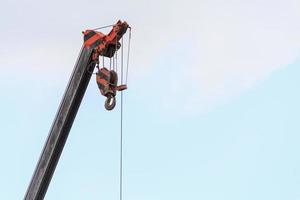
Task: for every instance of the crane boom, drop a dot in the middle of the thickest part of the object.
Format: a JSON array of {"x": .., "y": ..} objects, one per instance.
[
  {"x": 95, "y": 44},
  {"x": 61, "y": 126}
]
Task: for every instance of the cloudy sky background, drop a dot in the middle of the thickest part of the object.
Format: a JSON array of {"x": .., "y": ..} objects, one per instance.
[{"x": 211, "y": 111}]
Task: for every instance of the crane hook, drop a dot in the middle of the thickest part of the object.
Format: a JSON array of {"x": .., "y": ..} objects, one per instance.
[{"x": 110, "y": 102}]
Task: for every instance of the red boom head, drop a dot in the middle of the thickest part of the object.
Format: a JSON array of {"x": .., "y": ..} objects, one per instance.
[{"x": 105, "y": 45}]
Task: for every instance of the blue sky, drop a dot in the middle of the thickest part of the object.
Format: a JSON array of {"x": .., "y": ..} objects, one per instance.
[{"x": 211, "y": 111}]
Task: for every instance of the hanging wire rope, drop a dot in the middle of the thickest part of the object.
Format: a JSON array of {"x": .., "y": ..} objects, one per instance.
[
  {"x": 121, "y": 150},
  {"x": 113, "y": 58},
  {"x": 121, "y": 135},
  {"x": 116, "y": 55},
  {"x": 102, "y": 27},
  {"x": 109, "y": 63},
  {"x": 113, "y": 65},
  {"x": 122, "y": 60},
  {"x": 128, "y": 53},
  {"x": 103, "y": 61}
]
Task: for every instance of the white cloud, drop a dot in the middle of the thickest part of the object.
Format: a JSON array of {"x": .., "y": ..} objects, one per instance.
[
  {"x": 230, "y": 46},
  {"x": 217, "y": 49}
]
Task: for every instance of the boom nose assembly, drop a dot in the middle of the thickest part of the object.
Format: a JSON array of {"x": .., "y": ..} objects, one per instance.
[{"x": 107, "y": 47}]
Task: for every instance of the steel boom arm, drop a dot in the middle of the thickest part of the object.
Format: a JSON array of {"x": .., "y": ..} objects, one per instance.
[{"x": 61, "y": 126}]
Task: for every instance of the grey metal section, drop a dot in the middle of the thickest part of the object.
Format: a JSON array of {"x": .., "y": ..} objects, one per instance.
[{"x": 61, "y": 126}]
